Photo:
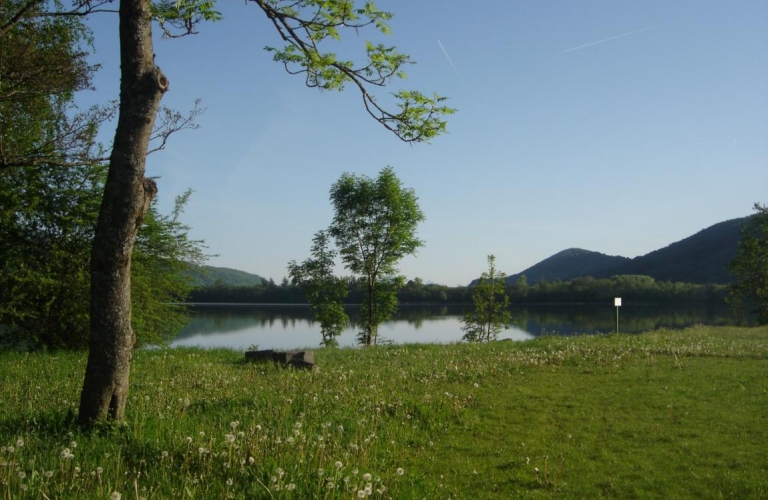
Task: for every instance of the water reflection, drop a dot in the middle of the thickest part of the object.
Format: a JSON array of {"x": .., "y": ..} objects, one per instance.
[{"x": 291, "y": 326}]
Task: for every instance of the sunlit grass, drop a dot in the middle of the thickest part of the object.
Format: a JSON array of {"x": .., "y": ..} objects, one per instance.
[{"x": 667, "y": 414}]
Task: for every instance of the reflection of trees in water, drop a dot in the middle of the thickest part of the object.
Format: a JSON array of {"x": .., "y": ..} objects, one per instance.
[
  {"x": 536, "y": 320},
  {"x": 569, "y": 320}
]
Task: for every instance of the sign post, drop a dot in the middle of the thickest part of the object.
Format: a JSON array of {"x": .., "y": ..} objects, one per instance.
[{"x": 617, "y": 303}]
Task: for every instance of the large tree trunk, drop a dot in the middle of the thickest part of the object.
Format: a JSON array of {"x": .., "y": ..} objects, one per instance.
[{"x": 127, "y": 196}]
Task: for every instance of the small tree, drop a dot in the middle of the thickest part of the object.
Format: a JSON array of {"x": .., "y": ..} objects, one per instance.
[
  {"x": 323, "y": 290},
  {"x": 750, "y": 267},
  {"x": 491, "y": 313},
  {"x": 374, "y": 227}
]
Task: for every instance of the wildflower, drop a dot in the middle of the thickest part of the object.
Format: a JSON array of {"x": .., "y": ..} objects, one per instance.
[
  {"x": 77, "y": 470},
  {"x": 202, "y": 433},
  {"x": 233, "y": 425},
  {"x": 22, "y": 474},
  {"x": 164, "y": 454},
  {"x": 319, "y": 438},
  {"x": 297, "y": 425},
  {"x": 48, "y": 474},
  {"x": 251, "y": 460},
  {"x": 280, "y": 472},
  {"x": 320, "y": 472},
  {"x": 258, "y": 428},
  {"x": 367, "y": 477},
  {"x": 115, "y": 496},
  {"x": 73, "y": 445},
  {"x": 273, "y": 479},
  {"x": 338, "y": 464},
  {"x": 230, "y": 438},
  {"x": 64, "y": 453},
  {"x": 296, "y": 432},
  {"x": 290, "y": 487},
  {"x": 99, "y": 470},
  {"x": 330, "y": 485},
  {"x": 19, "y": 443},
  {"x": 400, "y": 471},
  {"x": 361, "y": 494},
  {"x": 229, "y": 481},
  {"x": 290, "y": 440},
  {"x": 188, "y": 440},
  {"x": 10, "y": 449}
]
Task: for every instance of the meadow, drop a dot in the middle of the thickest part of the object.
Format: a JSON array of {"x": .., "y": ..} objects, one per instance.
[{"x": 664, "y": 414}]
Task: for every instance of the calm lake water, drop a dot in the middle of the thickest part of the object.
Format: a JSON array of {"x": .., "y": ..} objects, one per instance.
[{"x": 291, "y": 326}]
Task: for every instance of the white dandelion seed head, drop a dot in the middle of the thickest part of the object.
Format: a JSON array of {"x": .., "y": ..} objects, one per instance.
[
  {"x": 361, "y": 494},
  {"x": 251, "y": 460},
  {"x": 73, "y": 444},
  {"x": 115, "y": 496},
  {"x": 48, "y": 474},
  {"x": 19, "y": 443},
  {"x": 290, "y": 487},
  {"x": 338, "y": 464},
  {"x": 367, "y": 477},
  {"x": 230, "y": 438},
  {"x": 22, "y": 474},
  {"x": 188, "y": 440},
  {"x": 400, "y": 471}
]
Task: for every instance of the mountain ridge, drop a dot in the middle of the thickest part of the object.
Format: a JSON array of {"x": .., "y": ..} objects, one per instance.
[{"x": 701, "y": 258}]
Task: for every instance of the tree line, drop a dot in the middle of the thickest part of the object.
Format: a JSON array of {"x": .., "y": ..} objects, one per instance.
[{"x": 415, "y": 291}]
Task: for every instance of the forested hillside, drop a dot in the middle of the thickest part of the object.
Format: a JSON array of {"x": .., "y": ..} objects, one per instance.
[
  {"x": 702, "y": 259},
  {"x": 206, "y": 276}
]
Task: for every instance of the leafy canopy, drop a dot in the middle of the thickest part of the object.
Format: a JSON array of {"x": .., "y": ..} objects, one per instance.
[{"x": 374, "y": 226}]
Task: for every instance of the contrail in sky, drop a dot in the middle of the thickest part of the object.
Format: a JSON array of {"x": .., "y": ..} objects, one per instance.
[
  {"x": 449, "y": 58},
  {"x": 608, "y": 39}
]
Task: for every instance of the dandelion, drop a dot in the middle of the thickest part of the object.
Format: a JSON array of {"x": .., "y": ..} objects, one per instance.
[
  {"x": 297, "y": 425},
  {"x": 230, "y": 482},
  {"x": 290, "y": 487},
  {"x": 115, "y": 496},
  {"x": 338, "y": 464},
  {"x": 361, "y": 494},
  {"x": 48, "y": 474},
  {"x": 290, "y": 440},
  {"x": 258, "y": 428},
  {"x": 319, "y": 438},
  {"x": 202, "y": 434},
  {"x": 367, "y": 477},
  {"x": 297, "y": 432},
  {"x": 230, "y": 438},
  {"x": 320, "y": 472},
  {"x": 188, "y": 440},
  {"x": 64, "y": 453},
  {"x": 19, "y": 443},
  {"x": 251, "y": 460},
  {"x": 330, "y": 485},
  {"x": 99, "y": 470},
  {"x": 73, "y": 444},
  {"x": 273, "y": 479},
  {"x": 400, "y": 471},
  {"x": 280, "y": 472},
  {"x": 233, "y": 425},
  {"x": 10, "y": 449},
  {"x": 164, "y": 454},
  {"x": 77, "y": 470},
  {"x": 22, "y": 475}
]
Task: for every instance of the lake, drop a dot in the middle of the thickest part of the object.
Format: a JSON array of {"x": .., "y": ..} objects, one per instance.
[{"x": 271, "y": 326}]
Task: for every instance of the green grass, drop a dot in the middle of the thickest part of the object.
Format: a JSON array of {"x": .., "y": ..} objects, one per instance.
[{"x": 666, "y": 414}]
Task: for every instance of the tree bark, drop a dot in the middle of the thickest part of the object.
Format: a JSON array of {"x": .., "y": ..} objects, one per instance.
[{"x": 127, "y": 196}]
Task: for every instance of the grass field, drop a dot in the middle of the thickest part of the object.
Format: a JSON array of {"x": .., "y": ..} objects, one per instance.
[{"x": 666, "y": 414}]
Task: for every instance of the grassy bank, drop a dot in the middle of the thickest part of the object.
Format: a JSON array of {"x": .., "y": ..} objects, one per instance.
[{"x": 667, "y": 414}]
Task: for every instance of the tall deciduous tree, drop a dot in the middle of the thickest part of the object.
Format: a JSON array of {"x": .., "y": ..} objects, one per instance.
[
  {"x": 750, "y": 267},
  {"x": 491, "y": 312},
  {"x": 323, "y": 289},
  {"x": 305, "y": 26},
  {"x": 374, "y": 225}
]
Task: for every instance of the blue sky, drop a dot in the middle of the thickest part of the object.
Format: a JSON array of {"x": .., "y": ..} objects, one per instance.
[{"x": 618, "y": 127}]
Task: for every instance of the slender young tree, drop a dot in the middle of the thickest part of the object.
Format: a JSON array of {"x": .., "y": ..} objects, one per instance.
[
  {"x": 374, "y": 226},
  {"x": 491, "y": 312},
  {"x": 323, "y": 289},
  {"x": 750, "y": 268}
]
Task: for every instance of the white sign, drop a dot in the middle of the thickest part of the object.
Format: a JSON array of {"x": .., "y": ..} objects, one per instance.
[{"x": 617, "y": 301}]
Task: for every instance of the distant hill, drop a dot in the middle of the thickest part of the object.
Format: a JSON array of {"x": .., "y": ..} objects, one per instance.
[
  {"x": 204, "y": 276},
  {"x": 702, "y": 258},
  {"x": 569, "y": 264}
]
